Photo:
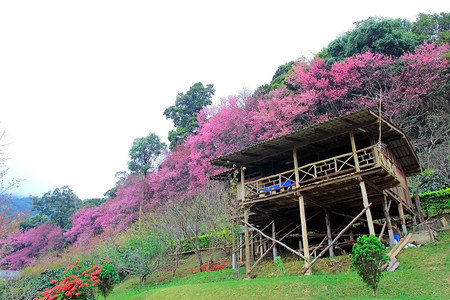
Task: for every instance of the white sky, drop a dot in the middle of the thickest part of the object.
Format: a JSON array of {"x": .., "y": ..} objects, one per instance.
[{"x": 80, "y": 80}]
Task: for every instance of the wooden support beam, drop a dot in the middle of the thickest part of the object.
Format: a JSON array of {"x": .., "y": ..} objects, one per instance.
[
  {"x": 366, "y": 203},
  {"x": 242, "y": 184},
  {"x": 301, "y": 204},
  {"x": 402, "y": 218},
  {"x": 330, "y": 238},
  {"x": 355, "y": 154},
  {"x": 247, "y": 244},
  {"x": 252, "y": 246},
  {"x": 308, "y": 266},
  {"x": 350, "y": 217},
  {"x": 297, "y": 175},
  {"x": 270, "y": 248},
  {"x": 386, "y": 208},
  {"x": 278, "y": 242},
  {"x": 274, "y": 236}
]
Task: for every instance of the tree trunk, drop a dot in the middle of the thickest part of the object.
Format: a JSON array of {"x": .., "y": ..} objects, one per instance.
[
  {"x": 199, "y": 259},
  {"x": 175, "y": 263},
  {"x": 374, "y": 292},
  {"x": 143, "y": 279},
  {"x": 418, "y": 206},
  {"x": 196, "y": 245}
]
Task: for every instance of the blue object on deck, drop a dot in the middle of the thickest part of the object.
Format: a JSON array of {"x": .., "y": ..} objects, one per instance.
[{"x": 286, "y": 183}]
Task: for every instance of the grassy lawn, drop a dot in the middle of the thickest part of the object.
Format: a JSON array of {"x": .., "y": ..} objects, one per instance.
[{"x": 424, "y": 273}]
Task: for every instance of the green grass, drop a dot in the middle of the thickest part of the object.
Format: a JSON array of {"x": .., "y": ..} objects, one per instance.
[{"x": 424, "y": 273}]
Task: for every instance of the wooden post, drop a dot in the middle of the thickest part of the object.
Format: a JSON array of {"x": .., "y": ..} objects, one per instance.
[
  {"x": 355, "y": 155},
  {"x": 274, "y": 236},
  {"x": 242, "y": 184},
  {"x": 366, "y": 203},
  {"x": 301, "y": 203},
  {"x": 241, "y": 251},
  {"x": 247, "y": 244},
  {"x": 352, "y": 237},
  {"x": 330, "y": 238},
  {"x": 297, "y": 175},
  {"x": 388, "y": 221},
  {"x": 402, "y": 218},
  {"x": 252, "y": 248}
]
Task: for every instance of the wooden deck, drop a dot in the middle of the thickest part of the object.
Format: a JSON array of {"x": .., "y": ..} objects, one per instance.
[{"x": 334, "y": 168}]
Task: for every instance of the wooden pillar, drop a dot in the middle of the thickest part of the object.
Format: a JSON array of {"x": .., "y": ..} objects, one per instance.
[
  {"x": 402, "y": 218},
  {"x": 297, "y": 175},
  {"x": 274, "y": 236},
  {"x": 330, "y": 238},
  {"x": 355, "y": 155},
  {"x": 301, "y": 204},
  {"x": 362, "y": 185},
  {"x": 247, "y": 244},
  {"x": 388, "y": 221},
  {"x": 260, "y": 245},
  {"x": 242, "y": 184},
  {"x": 241, "y": 251},
  {"x": 252, "y": 248}
]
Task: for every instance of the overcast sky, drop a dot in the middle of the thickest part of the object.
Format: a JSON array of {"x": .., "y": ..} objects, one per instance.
[{"x": 80, "y": 80}]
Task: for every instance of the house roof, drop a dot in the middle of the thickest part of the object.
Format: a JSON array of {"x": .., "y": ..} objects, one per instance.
[{"x": 319, "y": 135}]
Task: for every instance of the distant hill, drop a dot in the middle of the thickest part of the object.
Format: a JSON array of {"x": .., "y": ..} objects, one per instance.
[{"x": 21, "y": 204}]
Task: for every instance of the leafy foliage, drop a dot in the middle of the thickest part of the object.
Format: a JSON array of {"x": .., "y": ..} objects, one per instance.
[
  {"x": 108, "y": 278},
  {"x": 387, "y": 36},
  {"x": 435, "y": 201},
  {"x": 184, "y": 112},
  {"x": 58, "y": 205},
  {"x": 144, "y": 153},
  {"x": 25, "y": 287},
  {"x": 368, "y": 255},
  {"x": 433, "y": 28},
  {"x": 141, "y": 254},
  {"x": 93, "y": 202},
  {"x": 33, "y": 221}
]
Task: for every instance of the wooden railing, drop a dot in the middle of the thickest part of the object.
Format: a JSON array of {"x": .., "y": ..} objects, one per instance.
[{"x": 318, "y": 171}]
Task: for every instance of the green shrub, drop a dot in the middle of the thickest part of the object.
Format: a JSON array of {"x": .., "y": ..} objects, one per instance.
[
  {"x": 435, "y": 202},
  {"x": 368, "y": 256},
  {"x": 108, "y": 278}
]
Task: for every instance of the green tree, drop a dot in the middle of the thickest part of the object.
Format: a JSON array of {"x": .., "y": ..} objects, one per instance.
[
  {"x": 184, "y": 112},
  {"x": 94, "y": 202},
  {"x": 433, "y": 28},
  {"x": 58, "y": 205},
  {"x": 144, "y": 154},
  {"x": 108, "y": 278},
  {"x": 278, "y": 79},
  {"x": 379, "y": 35},
  {"x": 33, "y": 221},
  {"x": 143, "y": 252},
  {"x": 368, "y": 256}
]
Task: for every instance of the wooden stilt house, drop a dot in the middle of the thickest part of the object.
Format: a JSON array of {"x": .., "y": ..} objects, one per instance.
[{"x": 298, "y": 191}]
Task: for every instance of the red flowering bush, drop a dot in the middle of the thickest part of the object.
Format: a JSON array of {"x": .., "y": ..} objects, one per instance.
[{"x": 78, "y": 283}]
